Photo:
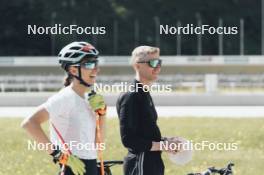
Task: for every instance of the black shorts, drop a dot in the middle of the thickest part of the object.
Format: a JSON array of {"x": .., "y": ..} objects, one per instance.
[
  {"x": 145, "y": 163},
  {"x": 90, "y": 167}
]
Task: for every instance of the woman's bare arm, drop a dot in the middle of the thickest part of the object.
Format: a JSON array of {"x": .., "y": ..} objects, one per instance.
[{"x": 32, "y": 125}]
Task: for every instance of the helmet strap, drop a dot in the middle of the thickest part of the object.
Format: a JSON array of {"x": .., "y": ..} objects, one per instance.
[{"x": 79, "y": 77}]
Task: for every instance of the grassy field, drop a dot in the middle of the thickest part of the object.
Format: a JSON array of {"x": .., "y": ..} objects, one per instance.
[{"x": 247, "y": 133}]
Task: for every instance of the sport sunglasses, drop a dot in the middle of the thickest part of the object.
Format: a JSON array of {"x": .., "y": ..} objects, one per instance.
[
  {"x": 152, "y": 63},
  {"x": 88, "y": 64}
]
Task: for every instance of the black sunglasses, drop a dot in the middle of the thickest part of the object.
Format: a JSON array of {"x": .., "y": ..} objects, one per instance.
[{"x": 152, "y": 63}]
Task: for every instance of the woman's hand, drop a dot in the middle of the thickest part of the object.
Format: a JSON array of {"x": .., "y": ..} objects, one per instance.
[
  {"x": 76, "y": 165},
  {"x": 97, "y": 104}
]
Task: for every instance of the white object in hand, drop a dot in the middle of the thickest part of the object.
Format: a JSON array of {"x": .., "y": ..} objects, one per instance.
[{"x": 185, "y": 154}]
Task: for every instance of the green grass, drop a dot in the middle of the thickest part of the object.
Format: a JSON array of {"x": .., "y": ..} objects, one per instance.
[{"x": 248, "y": 133}]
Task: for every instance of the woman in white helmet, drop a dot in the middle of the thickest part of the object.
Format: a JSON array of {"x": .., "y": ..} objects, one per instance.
[{"x": 72, "y": 141}]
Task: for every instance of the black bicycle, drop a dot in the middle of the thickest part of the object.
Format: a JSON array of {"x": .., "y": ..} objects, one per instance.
[{"x": 210, "y": 171}]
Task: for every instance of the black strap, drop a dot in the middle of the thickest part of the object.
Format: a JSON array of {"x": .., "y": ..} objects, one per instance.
[
  {"x": 56, "y": 154},
  {"x": 79, "y": 77}
]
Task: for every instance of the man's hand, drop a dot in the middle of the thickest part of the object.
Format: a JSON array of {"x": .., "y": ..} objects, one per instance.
[
  {"x": 171, "y": 145},
  {"x": 97, "y": 104},
  {"x": 76, "y": 165}
]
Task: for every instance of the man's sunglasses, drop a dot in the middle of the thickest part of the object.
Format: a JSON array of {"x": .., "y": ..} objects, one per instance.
[
  {"x": 152, "y": 63},
  {"x": 88, "y": 64}
]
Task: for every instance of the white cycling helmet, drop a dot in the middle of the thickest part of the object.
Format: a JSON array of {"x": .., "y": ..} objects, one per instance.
[{"x": 75, "y": 52}]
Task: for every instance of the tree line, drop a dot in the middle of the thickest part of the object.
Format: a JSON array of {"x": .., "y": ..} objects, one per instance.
[{"x": 128, "y": 24}]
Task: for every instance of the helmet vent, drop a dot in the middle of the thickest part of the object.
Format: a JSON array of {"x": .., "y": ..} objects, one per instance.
[
  {"x": 75, "y": 48},
  {"x": 67, "y": 54},
  {"x": 75, "y": 55}
]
